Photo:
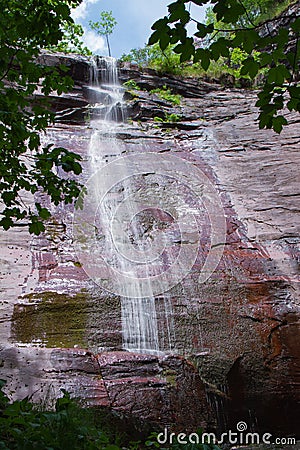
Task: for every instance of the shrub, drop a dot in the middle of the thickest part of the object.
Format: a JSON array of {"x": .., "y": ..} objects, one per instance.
[
  {"x": 131, "y": 84},
  {"x": 24, "y": 426},
  {"x": 166, "y": 94},
  {"x": 153, "y": 57},
  {"x": 172, "y": 118}
]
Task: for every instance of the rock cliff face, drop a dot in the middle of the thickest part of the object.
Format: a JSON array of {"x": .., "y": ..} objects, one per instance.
[{"x": 234, "y": 351}]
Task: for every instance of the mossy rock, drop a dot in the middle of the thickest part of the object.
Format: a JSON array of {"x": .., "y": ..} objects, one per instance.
[{"x": 51, "y": 320}]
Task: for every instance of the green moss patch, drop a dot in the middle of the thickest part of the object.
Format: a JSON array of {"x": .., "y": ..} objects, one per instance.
[{"x": 51, "y": 319}]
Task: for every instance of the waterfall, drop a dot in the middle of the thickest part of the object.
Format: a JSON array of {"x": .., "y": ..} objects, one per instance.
[
  {"x": 107, "y": 95},
  {"x": 139, "y": 317}
]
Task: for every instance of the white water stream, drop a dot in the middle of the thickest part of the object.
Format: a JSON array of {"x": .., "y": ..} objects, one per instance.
[{"x": 139, "y": 316}]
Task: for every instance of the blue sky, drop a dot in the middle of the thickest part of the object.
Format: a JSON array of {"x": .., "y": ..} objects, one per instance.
[{"x": 134, "y": 18}]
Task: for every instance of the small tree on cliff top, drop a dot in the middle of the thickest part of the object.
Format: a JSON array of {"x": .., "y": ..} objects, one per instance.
[{"x": 105, "y": 26}]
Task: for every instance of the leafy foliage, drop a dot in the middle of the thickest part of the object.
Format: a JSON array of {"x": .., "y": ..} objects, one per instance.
[
  {"x": 262, "y": 48},
  {"x": 152, "y": 56},
  {"x": 26, "y": 165},
  {"x": 105, "y": 26},
  {"x": 168, "y": 61},
  {"x": 25, "y": 426},
  {"x": 234, "y": 64},
  {"x": 166, "y": 94},
  {"x": 255, "y": 11},
  {"x": 131, "y": 84},
  {"x": 71, "y": 41},
  {"x": 139, "y": 56},
  {"x": 171, "y": 118}
]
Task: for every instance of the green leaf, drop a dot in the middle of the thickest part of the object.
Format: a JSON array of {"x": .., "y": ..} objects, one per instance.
[
  {"x": 220, "y": 9},
  {"x": 294, "y": 91},
  {"x": 164, "y": 41},
  {"x": 202, "y": 30},
  {"x": 290, "y": 56},
  {"x": 44, "y": 213},
  {"x": 160, "y": 24},
  {"x": 234, "y": 13},
  {"x": 268, "y": 108},
  {"x": 203, "y": 55},
  {"x": 278, "y": 123},
  {"x": 219, "y": 48},
  {"x": 180, "y": 31},
  {"x": 239, "y": 38},
  {"x": 282, "y": 36},
  {"x": 6, "y": 223},
  {"x": 293, "y": 104},
  {"x": 154, "y": 37},
  {"x": 185, "y": 18},
  {"x": 80, "y": 200},
  {"x": 76, "y": 168},
  {"x": 186, "y": 50},
  {"x": 36, "y": 227},
  {"x": 250, "y": 67},
  {"x": 265, "y": 121},
  {"x": 8, "y": 197},
  {"x": 250, "y": 39},
  {"x": 296, "y": 25},
  {"x": 63, "y": 10},
  {"x": 177, "y": 11},
  {"x": 278, "y": 74},
  {"x": 228, "y": 13},
  {"x": 265, "y": 59}
]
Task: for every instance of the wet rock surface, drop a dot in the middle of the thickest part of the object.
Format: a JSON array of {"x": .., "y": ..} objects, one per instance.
[
  {"x": 233, "y": 353},
  {"x": 160, "y": 390}
]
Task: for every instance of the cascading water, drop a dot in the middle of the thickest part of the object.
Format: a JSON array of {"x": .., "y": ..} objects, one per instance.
[
  {"x": 107, "y": 95},
  {"x": 139, "y": 317}
]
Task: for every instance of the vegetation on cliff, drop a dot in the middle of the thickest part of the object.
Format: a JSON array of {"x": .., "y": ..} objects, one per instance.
[
  {"x": 232, "y": 27},
  {"x": 244, "y": 39},
  {"x": 25, "y": 426}
]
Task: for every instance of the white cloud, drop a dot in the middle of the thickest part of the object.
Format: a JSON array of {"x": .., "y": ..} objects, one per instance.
[
  {"x": 93, "y": 41},
  {"x": 90, "y": 38},
  {"x": 81, "y": 11}
]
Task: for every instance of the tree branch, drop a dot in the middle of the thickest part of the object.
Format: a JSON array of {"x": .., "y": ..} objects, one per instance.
[
  {"x": 246, "y": 12},
  {"x": 9, "y": 66},
  {"x": 295, "y": 57},
  {"x": 254, "y": 27}
]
